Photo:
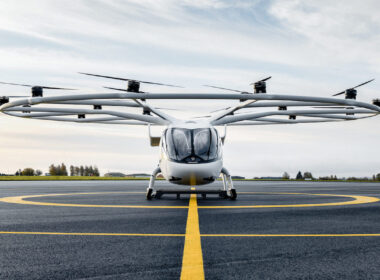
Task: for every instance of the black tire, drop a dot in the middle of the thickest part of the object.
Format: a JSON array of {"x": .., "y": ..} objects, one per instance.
[
  {"x": 233, "y": 194},
  {"x": 223, "y": 194},
  {"x": 149, "y": 193},
  {"x": 204, "y": 196}
]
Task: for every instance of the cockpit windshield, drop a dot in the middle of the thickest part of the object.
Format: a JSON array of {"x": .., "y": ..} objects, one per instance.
[{"x": 192, "y": 145}]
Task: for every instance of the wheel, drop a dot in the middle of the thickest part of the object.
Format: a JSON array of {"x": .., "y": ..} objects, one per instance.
[
  {"x": 233, "y": 194},
  {"x": 223, "y": 194},
  {"x": 149, "y": 193}
]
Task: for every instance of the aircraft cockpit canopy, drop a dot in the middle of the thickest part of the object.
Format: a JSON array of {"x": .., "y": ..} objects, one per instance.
[{"x": 192, "y": 145}]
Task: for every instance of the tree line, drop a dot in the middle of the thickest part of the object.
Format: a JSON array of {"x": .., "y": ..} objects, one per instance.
[
  {"x": 308, "y": 175},
  {"x": 84, "y": 171},
  {"x": 28, "y": 172},
  {"x": 59, "y": 170}
]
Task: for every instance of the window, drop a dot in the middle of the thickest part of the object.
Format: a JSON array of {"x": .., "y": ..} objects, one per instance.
[{"x": 192, "y": 145}]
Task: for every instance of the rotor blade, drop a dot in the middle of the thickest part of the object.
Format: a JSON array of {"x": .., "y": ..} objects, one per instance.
[
  {"x": 159, "y": 84},
  {"x": 171, "y": 109},
  {"x": 263, "y": 80},
  {"x": 339, "y": 93},
  {"x": 125, "y": 79},
  {"x": 57, "y": 88},
  {"x": 362, "y": 84},
  {"x": 24, "y": 85},
  {"x": 122, "y": 89},
  {"x": 220, "y": 110},
  {"x": 240, "y": 91},
  {"x": 102, "y": 76},
  {"x": 13, "y": 84}
]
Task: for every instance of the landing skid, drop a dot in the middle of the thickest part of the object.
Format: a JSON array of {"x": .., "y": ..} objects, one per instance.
[
  {"x": 203, "y": 192},
  {"x": 228, "y": 190}
]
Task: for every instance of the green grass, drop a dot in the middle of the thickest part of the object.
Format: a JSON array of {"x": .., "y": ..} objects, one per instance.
[
  {"x": 81, "y": 178},
  {"x": 67, "y": 178}
]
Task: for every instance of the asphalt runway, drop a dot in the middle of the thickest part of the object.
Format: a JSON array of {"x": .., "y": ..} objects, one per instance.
[{"x": 107, "y": 230}]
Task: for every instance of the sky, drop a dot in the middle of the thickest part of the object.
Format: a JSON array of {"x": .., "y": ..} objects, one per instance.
[{"x": 312, "y": 48}]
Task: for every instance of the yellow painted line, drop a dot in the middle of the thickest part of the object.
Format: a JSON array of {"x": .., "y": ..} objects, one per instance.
[
  {"x": 294, "y": 235},
  {"x": 21, "y": 200},
  {"x": 356, "y": 199},
  {"x": 192, "y": 262},
  {"x": 183, "y": 235},
  {"x": 92, "y": 233}
]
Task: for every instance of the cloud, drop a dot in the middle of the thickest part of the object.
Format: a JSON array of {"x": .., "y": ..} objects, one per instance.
[{"x": 346, "y": 30}]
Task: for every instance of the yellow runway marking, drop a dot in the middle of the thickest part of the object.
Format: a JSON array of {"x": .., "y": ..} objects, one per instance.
[
  {"x": 183, "y": 235},
  {"x": 92, "y": 233},
  {"x": 294, "y": 235},
  {"x": 21, "y": 200},
  {"x": 356, "y": 199},
  {"x": 192, "y": 262}
]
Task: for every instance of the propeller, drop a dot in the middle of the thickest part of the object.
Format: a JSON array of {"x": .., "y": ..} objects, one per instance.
[
  {"x": 240, "y": 91},
  {"x": 258, "y": 83},
  {"x": 122, "y": 89},
  {"x": 362, "y": 84},
  {"x": 44, "y": 87},
  {"x": 218, "y": 110},
  {"x": 261, "y": 86},
  {"x": 37, "y": 91},
  {"x": 160, "y": 108},
  {"x": 128, "y": 80},
  {"x": 263, "y": 80}
]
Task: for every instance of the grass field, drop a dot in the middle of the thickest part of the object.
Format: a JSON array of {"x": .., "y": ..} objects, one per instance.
[
  {"x": 65, "y": 178},
  {"x": 83, "y": 178}
]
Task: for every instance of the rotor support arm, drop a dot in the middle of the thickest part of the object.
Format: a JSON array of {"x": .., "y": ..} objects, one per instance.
[
  {"x": 316, "y": 113},
  {"x": 121, "y": 115}
]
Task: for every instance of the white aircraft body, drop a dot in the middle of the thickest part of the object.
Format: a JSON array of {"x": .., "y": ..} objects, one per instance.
[{"x": 190, "y": 150}]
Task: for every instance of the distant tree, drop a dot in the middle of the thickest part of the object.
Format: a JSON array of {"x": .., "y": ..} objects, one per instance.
[
  {"x": 299, "y": 176},
  {"x": 378, "y": 177},
  {"x": 28, "y": 172},
  {"x": 53, "y": 170},
  {"x": 72, "y": 170},
  {"x": 308, "y": 175},
  {"x": 37, "y": 172},
  {"x": 76, "y": 171},
  {"x": 81, "y": 172},
  {"x": 329, "y": 178},
  {"x": 96, "y": 171},
  {"x": 18, "y": 173},
  {"x": 63, "y": 170},
  {"x": 91, "y": 171},
  {"x": 285, "y": 176},
  {"x": 86, "y": 171}
]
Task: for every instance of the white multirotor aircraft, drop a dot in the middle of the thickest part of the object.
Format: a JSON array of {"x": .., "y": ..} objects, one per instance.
[{"x": 190, "y": 150}]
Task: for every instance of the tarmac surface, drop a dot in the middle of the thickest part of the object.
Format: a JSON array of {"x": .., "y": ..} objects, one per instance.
[{"x": 107, "y": 230}]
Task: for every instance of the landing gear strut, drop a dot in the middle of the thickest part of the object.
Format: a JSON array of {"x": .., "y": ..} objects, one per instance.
[
  {"x": 150, "y": 189},
  {"x": 228, "y": 187}
]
